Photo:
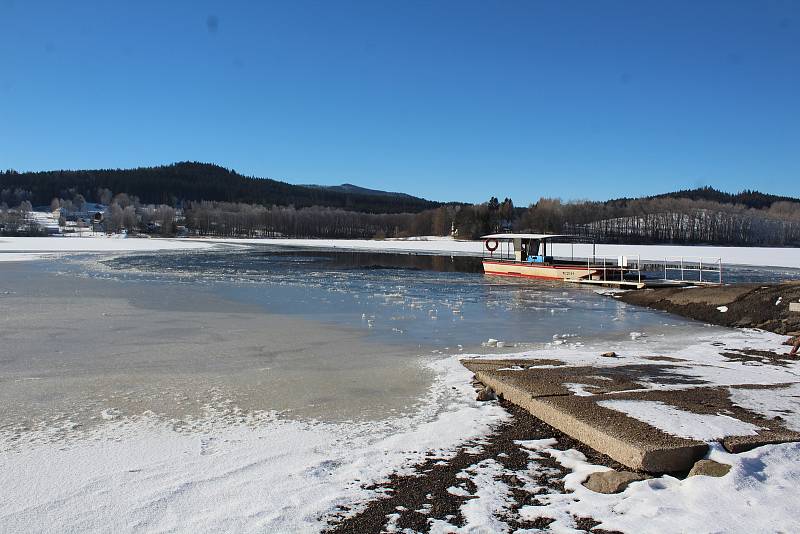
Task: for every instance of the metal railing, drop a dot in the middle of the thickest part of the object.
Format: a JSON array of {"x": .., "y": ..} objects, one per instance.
[
  {"x": 613, "y": 267},
  {"x": 688, "y": 266}
]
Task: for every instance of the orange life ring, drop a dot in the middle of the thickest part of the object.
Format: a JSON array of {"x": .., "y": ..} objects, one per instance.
[{"x": 493, "y": 246}]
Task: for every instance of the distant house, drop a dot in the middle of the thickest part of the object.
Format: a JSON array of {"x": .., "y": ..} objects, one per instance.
[
  {"x": 86, "y": 213},
  {"x": 47, "y": 220}
]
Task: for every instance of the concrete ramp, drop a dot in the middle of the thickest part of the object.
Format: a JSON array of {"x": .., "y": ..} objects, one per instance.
[{"x": 568, "y": 398}]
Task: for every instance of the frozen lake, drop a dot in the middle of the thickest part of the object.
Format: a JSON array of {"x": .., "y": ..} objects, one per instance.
[
  {"x": 322, "y": 334},
  {"x": 279, "y": 382}
]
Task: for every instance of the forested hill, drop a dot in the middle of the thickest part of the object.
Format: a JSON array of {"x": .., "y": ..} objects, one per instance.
[
  {"x": 746, "y": 198},
  {"x": 191, "y": 181}
]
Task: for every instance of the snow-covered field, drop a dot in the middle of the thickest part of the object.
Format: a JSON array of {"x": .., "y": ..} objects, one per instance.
[{"x": 28, "y": 248}]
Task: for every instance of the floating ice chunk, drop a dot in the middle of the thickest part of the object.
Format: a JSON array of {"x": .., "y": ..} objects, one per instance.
[
  {"x": 637, "y": 335},
  {"x": 491, "y": 342}
]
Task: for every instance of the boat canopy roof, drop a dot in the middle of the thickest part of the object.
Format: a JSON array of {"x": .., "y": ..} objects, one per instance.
[{"x": 527, "y": 236}]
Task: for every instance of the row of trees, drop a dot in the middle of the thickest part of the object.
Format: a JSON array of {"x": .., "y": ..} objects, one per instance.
[
  {"x": 692, "y": 217},
  {"x": 668, "y": 220}
]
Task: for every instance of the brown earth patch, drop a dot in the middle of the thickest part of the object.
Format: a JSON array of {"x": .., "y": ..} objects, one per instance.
[
  {"x": 427, "y": 487},
  {"x": 748, "y": 305}
]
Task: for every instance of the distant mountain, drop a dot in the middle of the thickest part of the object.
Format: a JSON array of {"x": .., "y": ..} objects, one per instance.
[
  {"x": 357, "y": 190},
  {"x": 193, "y": 181},
  {"x": 748, "y": 198}
]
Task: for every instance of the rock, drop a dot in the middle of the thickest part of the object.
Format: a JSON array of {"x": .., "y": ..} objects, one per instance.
[
  {"x": 611, "y": 481},
  {"x": 486, "y": 394},
  {"x": 609, "y": 354},
  {"x": 709, "y": 468}
]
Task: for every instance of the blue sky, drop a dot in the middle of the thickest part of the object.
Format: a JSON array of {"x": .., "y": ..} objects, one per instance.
[{"x": 448, "y": 100}]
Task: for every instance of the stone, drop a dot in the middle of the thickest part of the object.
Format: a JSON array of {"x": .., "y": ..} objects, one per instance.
[
  {"x": 611, "y": 481},
  {"x": 709, "y": 468},
  {"x": 486, "y": 394},
  {"x": 609, "y": 354}
]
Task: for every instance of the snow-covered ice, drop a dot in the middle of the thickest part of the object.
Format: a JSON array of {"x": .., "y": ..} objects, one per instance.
[{"x": 264, "y": 474}]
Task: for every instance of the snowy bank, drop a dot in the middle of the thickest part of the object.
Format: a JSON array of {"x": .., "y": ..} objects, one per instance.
[{"x": 28, "y": 248}]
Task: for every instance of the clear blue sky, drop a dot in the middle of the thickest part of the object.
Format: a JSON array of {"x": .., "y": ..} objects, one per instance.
[{"x": 448, "y": 100}]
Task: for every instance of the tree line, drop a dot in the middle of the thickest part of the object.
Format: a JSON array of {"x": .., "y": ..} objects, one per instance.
[{"x": 701, "y": 216}]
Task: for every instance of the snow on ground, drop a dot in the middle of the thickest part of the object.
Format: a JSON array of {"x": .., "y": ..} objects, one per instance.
[
  {"x": 757, "y": 495},
  {"x": 698, "y": 358},
  {"x": 239, "y": 474},
  {"x": 27, "y": 248},
  {"x": 774, "y": 257},
  {"x": 492, "y": 497},
  {"x": 704, "y": 427},
  {"x": 783, "y": 403}
]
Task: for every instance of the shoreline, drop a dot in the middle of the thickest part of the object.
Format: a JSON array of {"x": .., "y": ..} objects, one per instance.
[
  {"x": 27, "y": 248},
  {"x": 762, "y": 306}
]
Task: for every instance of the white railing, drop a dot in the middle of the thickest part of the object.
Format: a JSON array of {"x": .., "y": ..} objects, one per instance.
[
  {"x": 687, "y": 266},
  {"x": 616, "y": 266}
]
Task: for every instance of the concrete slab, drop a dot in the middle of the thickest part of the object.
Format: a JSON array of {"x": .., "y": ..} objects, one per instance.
[{"x": 566, "y": 397}]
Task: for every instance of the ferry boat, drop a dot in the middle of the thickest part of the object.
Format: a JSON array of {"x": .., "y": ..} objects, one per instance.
[
  {"x": 527, "y": 256},
  {"x": 533, "y": 256}
]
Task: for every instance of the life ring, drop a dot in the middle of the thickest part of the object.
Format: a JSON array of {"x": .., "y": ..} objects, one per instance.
[{"x": 491, "y": 244}]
